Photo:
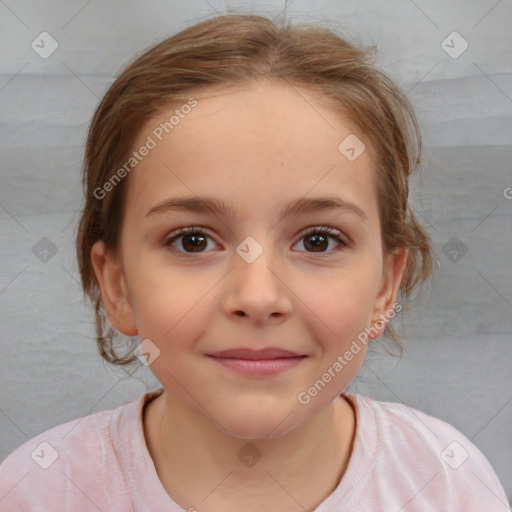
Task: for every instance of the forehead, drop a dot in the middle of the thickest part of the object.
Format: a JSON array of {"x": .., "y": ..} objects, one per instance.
[{"x": 255, "y": 144}]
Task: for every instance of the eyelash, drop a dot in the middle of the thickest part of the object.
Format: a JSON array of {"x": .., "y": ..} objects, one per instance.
[{"x": 322, "y": 230}]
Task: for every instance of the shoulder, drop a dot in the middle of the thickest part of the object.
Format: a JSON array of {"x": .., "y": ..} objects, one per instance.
[
  {"x": 425, "y": 458},
  {"x": 68, "y": 465},
  {"x": 407, "y": 423},
  {"x": 401, "y": 426}
]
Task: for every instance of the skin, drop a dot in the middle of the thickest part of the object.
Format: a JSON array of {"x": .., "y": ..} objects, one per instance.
[{"x": 258, "y": 147}]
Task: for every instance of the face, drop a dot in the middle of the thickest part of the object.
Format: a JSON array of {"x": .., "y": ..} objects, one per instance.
[{"x": 247, "y": 276}]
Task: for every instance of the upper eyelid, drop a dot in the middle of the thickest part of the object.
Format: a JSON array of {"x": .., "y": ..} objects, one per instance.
[{"x": 186, "y": 229}]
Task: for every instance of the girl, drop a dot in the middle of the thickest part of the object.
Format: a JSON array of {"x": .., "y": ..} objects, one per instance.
[{"x": 246, "y": 218}]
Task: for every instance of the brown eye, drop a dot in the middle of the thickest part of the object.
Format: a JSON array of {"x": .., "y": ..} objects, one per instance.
[
  {"x": 194, "y": 242},
  {"x": 187, "y": 240},
  {"x": 317, "y": 240}
]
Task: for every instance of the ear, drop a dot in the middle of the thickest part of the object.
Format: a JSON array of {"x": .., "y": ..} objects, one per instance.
[
  {"x": 109, "y": 273},
  {"x": 393, "y": 270}
]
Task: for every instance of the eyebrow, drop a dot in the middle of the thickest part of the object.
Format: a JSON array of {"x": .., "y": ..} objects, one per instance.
[{"x": 205, "y": 205}]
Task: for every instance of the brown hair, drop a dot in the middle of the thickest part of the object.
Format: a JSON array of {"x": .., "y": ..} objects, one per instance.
[{"x": 234, "y": 49}]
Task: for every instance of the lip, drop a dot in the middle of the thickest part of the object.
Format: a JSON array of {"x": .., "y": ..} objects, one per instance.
[
  {"x": 255, "y": 355},
  {"x": 269, "y": 361}
]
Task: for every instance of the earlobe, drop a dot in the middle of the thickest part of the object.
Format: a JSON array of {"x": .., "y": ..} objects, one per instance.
[
  {"x": 109, "y": 274},
  {"x": 383, "y": 308}
]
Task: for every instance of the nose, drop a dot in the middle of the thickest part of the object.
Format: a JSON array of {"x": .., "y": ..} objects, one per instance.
[{"x": 257, "y": 292}]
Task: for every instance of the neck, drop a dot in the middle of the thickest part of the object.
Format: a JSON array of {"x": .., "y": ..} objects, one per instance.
[{"x": 200, "y": 465}]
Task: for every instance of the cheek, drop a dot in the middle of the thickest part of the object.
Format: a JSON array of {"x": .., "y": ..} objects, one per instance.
[
  {"x": 340, "y": 320},
  {"x": 343, "y": 303},
  {"x": 164, "y": 299}
]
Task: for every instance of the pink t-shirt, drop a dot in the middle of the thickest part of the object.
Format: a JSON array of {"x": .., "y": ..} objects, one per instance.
[{"x": 402, "y": 460}]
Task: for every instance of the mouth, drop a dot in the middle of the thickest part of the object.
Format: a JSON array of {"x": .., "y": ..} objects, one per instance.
[
  {"x": 269, "y": 361},
  {"x": 255, "y": 355}
]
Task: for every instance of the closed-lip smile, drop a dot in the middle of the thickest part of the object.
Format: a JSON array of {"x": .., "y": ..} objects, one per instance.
[
  {"x": 259, "y": 363},
  {"x": 255, "y": 355}
]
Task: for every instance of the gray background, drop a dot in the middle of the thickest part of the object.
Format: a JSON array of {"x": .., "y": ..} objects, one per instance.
[{"x": 459, "y": 334}]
